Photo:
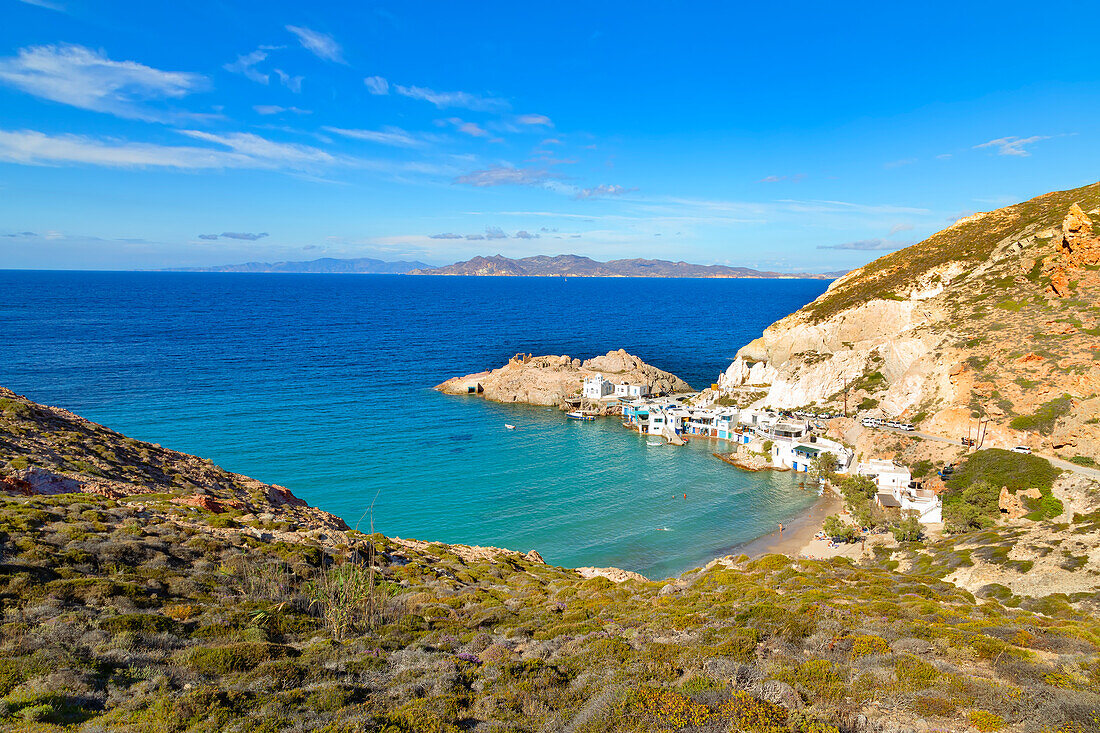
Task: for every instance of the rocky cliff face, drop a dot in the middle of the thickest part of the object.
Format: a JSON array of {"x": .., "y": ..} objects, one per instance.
[
  {"x": 997, "y": 316},
  {"x": 548, "y": 380}
]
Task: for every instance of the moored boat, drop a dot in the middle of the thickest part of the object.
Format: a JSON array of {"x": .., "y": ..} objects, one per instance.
[{"x": 578, "y": 415}]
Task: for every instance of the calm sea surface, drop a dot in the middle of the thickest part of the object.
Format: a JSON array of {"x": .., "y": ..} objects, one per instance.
[{"x": 322, "y": 383}]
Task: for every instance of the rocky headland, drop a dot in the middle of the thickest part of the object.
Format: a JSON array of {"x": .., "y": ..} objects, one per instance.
[
  {"x": 579, "y": 266},
  {"x": 550, "y": 380},
  {"x": 996, "y": 317}
]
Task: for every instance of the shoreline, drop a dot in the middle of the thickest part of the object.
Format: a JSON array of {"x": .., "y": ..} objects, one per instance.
[{"x": 798, "y": 534}]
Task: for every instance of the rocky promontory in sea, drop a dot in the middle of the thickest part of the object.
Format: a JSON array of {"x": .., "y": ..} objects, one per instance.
[{"x": 550, "y": 380}]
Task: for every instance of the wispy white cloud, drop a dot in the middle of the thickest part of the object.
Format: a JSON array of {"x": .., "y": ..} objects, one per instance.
[
  {"x": 827, "y": 206},
  {"x": 899, "y": 163},
  {"x": 274, "y": 109},
  {"x": 506, "y": 176},
  {"x": 245, "y": 65},
  {"x": 223, "y": 151},
  {"x": 531, "y": 119},
  {"x": 45, "y": 4},
  {"x": 377, "y": 85},
  {"x": 602, "y": 190},
  {"x": 321, "y": 45},
  {"x": 30, "y": 147},
  {"x": 262, "y": 149},
  {"x": 246, "y": 236},
  {"x": 443, "y": 100},
  {"x": 236, "y": 150},
  {"x": 393, "y": 136},
  {"x": 467, "y": 128},
  {"x": 293, "y": 83},
  {"x": 80, "y": 77},
  {"x": 900, "y": 227},
  {"x": 867, "y": 245},
  {"x": 1013, "y": 145},
  {"x": 796, "y": 178}
]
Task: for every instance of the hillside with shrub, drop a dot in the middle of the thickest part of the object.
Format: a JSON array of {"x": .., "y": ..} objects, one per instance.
[
  {"x": 991, "y": 324},
  {"x": 140, "y": 612}
]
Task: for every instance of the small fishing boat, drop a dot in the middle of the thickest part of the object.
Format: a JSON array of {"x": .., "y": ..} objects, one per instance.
[
  {"x": 510, "y": 427},
  {"x": 578, "y": 415},
  {"x": 654, "y": 444}
]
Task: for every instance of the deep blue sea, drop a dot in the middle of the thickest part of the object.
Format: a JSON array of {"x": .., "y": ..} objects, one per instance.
[{"x": 322, "y": 383}]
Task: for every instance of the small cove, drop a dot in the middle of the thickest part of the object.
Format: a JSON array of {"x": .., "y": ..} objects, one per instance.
[{"x": 322, "y": 383}]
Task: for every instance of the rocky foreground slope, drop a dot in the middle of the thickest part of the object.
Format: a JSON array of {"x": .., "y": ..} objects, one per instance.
[
  {"x": 997, "y": 316},
  {"x": 548, "y": 380},
  {"x": 128, "y": 605}
]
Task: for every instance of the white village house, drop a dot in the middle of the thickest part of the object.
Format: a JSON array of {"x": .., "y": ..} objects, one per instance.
[
  {"x": 597, "y": 387},
  {"x": 631, "y": 391},
  {"x": 897, "y": 490}
]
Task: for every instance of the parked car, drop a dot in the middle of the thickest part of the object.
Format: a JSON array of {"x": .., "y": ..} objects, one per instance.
[{"x": 1022, "y": 449}]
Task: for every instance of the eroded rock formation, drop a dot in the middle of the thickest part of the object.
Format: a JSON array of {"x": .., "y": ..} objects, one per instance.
[
  {"x": 548, "y": 380},
  {"x": 974, "y": 322}
]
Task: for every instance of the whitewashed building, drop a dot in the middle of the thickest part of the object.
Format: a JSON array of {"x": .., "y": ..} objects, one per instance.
[
  {"x": 597, "y": 387},
  {"x": 887, "y": 475},
  {"x": 626, "y": 390},
  {"x": 897, "y": 490}
]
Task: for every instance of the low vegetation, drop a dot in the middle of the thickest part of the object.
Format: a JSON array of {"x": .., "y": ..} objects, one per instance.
[
  {"x": 972, "y": 500},
  {"x": 1045, "y": 417},
  {"x": 115, "y": 618}
]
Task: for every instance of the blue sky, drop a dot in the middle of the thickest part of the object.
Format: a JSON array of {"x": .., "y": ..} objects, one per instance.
[{"x": 791, "y": 136}]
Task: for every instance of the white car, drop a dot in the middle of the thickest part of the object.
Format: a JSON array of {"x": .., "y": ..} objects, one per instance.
[{"x": 1022, "y": 449}]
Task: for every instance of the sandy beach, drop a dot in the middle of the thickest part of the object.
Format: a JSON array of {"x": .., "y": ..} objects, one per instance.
[
  {"x": 798, "y": 534},
  {"x": 800, "y": 537}
]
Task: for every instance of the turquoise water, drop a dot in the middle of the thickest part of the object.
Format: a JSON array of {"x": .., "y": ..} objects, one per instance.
[{"x": 322, "y": 384}]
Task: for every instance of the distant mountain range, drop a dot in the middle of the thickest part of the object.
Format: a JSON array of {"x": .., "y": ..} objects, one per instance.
[
  {"x": 364, "y": 265},
  {"x": 577, "y": 266},
  {"x": 500, "y": 266}
]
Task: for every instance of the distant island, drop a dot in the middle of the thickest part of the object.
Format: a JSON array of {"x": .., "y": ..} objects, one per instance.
[
  {"x": 578, "y": 266},
  {"x": 501, "y": 266},
  {"x": 363, "y": 265}
]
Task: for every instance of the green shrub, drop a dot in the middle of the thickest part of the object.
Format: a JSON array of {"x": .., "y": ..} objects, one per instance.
[
  {"x": 933, "y": 706},
  {"x": 1083, "y": 461},
  {"x": 915, "y": 674},
  {"x": 240, "y": 657},
  {"x": 908, "y": 529},
  {"x": 986, "y": 721},
  {"x": 149, "y": 623},
  {"x": 1006, "y": 468},
  {"x": 839, "y": 530},
  {"x": 867, "y": 645},
  {"x": 1045, "y": 417}
]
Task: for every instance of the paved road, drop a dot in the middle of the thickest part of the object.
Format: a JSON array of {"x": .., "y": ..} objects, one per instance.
[{"x": 1092, "y": 473}]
